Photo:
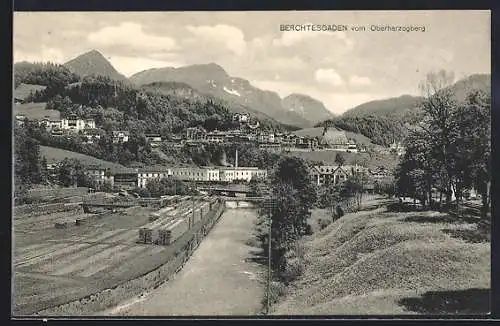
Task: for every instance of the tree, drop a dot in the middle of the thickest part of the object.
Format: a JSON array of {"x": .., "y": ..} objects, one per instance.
[
  {"x": 166, "y": 186},
  {"x": 472, "y": 146},
  {"x": 339, "y": 159},
  {"x": 72, "y": 173},
  {"x": 438, "y": 107},
  {"x": 27, "y": 169},
  {"x": 294, "y": 196}
]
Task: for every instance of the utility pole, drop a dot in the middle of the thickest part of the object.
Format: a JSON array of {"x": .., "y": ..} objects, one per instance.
[
  {"x": 269, "y": 205},
  {"x": 192, "y": 214}
]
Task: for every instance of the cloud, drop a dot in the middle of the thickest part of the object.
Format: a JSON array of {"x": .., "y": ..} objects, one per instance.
[
  {"x": 359, "y": 81},
  {"x": 131, "y": 34},
  {"x": 328, "y": 76},
  {"x": 288, "y": 63},
  {"x": 232, "y": 37},
  {"x": 45, "y": 55}
]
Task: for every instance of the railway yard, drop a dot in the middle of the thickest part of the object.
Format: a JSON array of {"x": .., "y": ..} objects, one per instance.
[{"x": 70, "y": 262}]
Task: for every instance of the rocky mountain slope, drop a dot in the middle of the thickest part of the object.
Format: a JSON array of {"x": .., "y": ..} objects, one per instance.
[
  {"x": 212, "y": 79},
  {"x": 307, "y": 107}
]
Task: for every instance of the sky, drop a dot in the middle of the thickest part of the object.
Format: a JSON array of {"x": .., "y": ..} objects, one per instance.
[{"x": 336, "y": 64}]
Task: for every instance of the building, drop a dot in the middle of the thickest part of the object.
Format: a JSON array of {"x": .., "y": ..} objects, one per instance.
[
  {"x": 333, "y": 174},
  {"x": 266, "y": 138},
  {"x": 271, "y": 147},
  {"x": 196, "y": 134},
  {"x": 74, "y": 123},
  {"x": 216, "y": 136},
  {"x": 91, "y": 135},
  {"x": 352, "y": 147},
  {"x": 397, "y": 147},
  {"x": 235, "y": 174},
  {"x": 198, "y": 174},
  {"x": 51, "y": 124},
  {"x": 57, "y": 132},
  {"x": 120, "y": 137},
  {"x": 125, "y": 178},
  {"x": 154, "y": 139},
  {"x": 241, "y": 117},
  {"x": 144, "y": 175},
  {"x": 99, "y": 175},
  {"x": 20, "y": 119}
]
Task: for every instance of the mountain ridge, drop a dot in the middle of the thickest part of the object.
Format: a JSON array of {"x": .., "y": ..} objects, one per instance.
[{"x": 212, "y": 79}]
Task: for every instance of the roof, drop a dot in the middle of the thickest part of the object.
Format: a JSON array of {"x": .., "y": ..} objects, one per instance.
[
  {"x": 125, "y": 132},
  {"x": 92, "y": 132},
  {"x": 238, "y": 168},
  {"x": 330, "y": 169},
  {"x": 153, "y": 169}
]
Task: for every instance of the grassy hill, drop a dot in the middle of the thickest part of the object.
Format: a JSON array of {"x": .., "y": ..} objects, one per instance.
[
  {"x": 23, "y": 91},
  {"x": 377, "y": 262},
  {"x": 35, "y": 111},
  {"x": 318, "y": 131},
  {"x": 54, "y": 155}
]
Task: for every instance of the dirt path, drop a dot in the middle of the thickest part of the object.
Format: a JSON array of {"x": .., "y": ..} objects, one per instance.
[{"x": 217, "y": 279}]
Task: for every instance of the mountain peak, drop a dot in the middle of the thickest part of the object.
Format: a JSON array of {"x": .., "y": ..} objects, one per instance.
[
  {"x": 307, "y": 107},
  {"x": 93, "y": 62}
]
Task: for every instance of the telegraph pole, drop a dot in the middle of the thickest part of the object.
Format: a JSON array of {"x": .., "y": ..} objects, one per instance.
[
  {"x": 270, "y": 208},
  {"x": 192, "y": 214},
  {"x": 269, "y": 265}
]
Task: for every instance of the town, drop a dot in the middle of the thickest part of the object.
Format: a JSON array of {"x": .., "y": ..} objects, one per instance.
[{"x": 130, "y": 178}]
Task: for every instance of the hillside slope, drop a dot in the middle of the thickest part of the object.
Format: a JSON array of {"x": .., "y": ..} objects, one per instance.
[
  {"x": 407, "y": 103},
  {"x": 394, "y": 105},
  {"x": 54, "y": 155},
  {"x": 376, "y": 262}
]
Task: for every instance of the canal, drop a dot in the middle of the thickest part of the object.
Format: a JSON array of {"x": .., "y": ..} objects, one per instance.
[{"x": 219, "y": 278}]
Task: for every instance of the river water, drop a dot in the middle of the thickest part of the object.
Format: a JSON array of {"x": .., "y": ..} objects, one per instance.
[{"x": 217, "y": 280}]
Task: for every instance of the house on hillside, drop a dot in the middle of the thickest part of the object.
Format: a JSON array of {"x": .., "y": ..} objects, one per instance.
[
  {"x": 51, "y": 124},
  {"x": 125, "y": 178},
  {"x": 154, "y": 140},
  {"x": 333, "y": 174},
  {"x": 397, "y": 147},
  {"x": 20, "y": 119},
  {"x": 74, "y": 123},
  {"x": 241, "y": 117},
  {"x": 91, "y": 135},
  {"x": 196, "y": 134},
  {"x": 216, "y": 136},
  {"x": 120, "y": 136}
]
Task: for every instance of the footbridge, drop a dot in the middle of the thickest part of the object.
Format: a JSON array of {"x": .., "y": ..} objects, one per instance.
[
  {"x": 226, "y": 192},
  {"x": 242, "y": 202}
]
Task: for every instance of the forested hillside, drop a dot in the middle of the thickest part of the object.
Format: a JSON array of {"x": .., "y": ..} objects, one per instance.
[{"x": 386, "y": 120}]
